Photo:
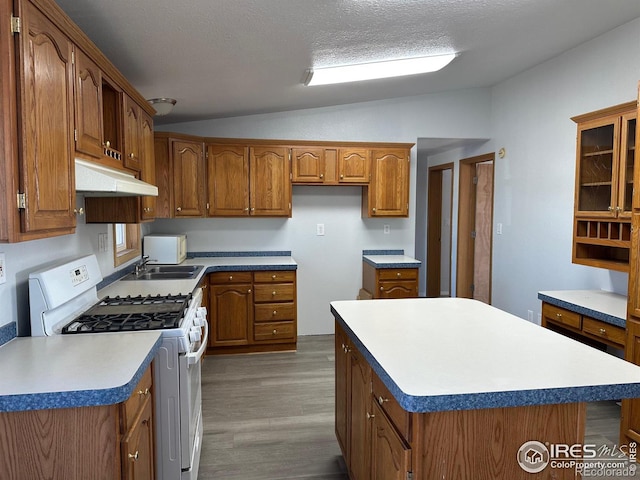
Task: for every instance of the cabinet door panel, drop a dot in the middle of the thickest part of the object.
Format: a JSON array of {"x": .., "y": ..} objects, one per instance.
[
  {"x": 138, "y": 447},
  {"x": 630, "y": 421},
  {"x": 228, "y": 170},
  {"x": 353, "y": 165},
  {"x": 148, "y": 164},
  {"x": 231, "y": 314},
  {"x": 270, "y": 181},
  {"x": 188, "y": 179},
  {"x": 132, "y": 134},
  {"x": 47, "y": 125},
  {"x": 388, "y": 192},
  {"x": 342, "y": 391},
  {"x": 391, "y": 289},
  {"x": 359, "y": 442},
  {"x": 307, "y": 164},
  {"x": 88, "y": 109},
  {"x": 390, "y": 457}
]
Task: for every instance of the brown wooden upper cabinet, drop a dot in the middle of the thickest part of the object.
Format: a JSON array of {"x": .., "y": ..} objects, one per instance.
[
  {"x": 89, "y": 118},
  {"x": 605, "y": 161},
  {"x": 249, "y": 180},
  {"x": 308, "y": 165},
  {"x": 188, "y": 178},
  {"x": 46, "y": 166},
  {"x": 388, "y": 192},
  {"x": 353, "y": 165},
  {"x": 132, "y": 134}
]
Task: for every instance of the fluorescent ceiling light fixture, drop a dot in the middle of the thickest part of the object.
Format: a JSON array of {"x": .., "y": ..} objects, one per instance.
[{"x": 374, "y": 70}]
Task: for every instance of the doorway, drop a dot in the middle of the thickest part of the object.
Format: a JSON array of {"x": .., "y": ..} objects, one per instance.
[
  {"x": 439, "y": 211},
  {"x": 475, "y": 228}
]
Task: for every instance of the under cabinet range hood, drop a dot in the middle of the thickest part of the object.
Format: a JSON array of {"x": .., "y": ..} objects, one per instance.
[{"x": 95, "y": 180}]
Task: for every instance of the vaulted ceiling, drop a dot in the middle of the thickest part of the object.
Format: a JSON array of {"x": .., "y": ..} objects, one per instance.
[{"x": 223, "y": 58}]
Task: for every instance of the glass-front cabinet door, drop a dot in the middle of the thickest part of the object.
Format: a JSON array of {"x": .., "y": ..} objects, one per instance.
[{"x": 606, "y": 156}]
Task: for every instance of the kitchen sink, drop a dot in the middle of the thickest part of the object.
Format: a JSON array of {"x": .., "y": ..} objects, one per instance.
[{"x": 167, "y": 272}]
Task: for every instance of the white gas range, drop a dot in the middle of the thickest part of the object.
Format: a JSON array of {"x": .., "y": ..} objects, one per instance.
[{"x": 63, "y": 301}]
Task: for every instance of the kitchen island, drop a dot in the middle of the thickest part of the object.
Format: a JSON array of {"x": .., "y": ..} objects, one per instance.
[{"x": 454, "y": 388}]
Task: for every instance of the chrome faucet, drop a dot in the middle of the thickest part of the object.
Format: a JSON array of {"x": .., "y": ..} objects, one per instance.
[{"x": 141, "y": 266}]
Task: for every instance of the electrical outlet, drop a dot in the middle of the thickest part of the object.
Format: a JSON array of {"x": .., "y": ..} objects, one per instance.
[
  {"x": 499, "y": 229},
  {"x": 386, "y": 229},
  {"x": 539, "y": 318},
  {"x": 3, "y": 268},
  {"x": 530, "y": 315},
  {"x": 320, "y": 229}
]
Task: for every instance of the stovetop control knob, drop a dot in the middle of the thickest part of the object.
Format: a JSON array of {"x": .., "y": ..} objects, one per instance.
[{"x": 195, "y": 334}]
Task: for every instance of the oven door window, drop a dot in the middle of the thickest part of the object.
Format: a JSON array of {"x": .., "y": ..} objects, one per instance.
[{"x": 190, "y": 407}]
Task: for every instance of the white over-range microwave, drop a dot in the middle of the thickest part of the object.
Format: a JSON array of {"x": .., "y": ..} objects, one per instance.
[{"x": 165, "y": 248}]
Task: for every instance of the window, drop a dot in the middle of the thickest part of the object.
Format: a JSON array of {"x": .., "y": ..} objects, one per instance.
[{"x": 126, "y": 241}]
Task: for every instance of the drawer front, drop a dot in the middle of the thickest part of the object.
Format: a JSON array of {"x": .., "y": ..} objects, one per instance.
[
  {"x": 397, "y": 289},
  {"x": 399, "y": 417},
  {"x": 274, "y": 332},
  {"x": 560, "y": 315},
  {"x": 398, "y": 274},
  {"x": 275, "y": 292},
  {"x": 604, "y": 330},
  {"x": 137, "y": 398},
  {"x": 274, "y": 312},
  {"x": 222, "y": 278},
  {"x": 274, "y": 276}
]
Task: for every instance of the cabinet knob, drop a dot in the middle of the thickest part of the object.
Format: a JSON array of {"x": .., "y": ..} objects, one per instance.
[
  {"x": 398, "y": 274},
  {"x": 381, "y": 399},
  {"x": 603, "y": 331},
  {"x": 373, "y": 209},
  {"x": 559, "y": 315},
  {"x": 253, "y": 209},
  {"x": 274, "y": 293},
  {"x": 131, "y": 155},
  {"x": 610, "y": 208},
  {"x": 246, "y": 209},
  {"x": 107, "y": 144},
  {"x": 144, "y": 392},
  {"x": 370, "y": 416},
  {"x": 273, "y": 276},
  {"x": 275, "y": 312},
  {"x": 78, "y": 211},
  {"x": 381, "y": 289},
  {"x": 618, "y": 209},
  {"x": 275, "y": 331},
  {"x": 322, "y": 175},
  {"x": 341, "y": 176},
  {"x": 179, "y": 209},
  {"x": 134, "y": 456},
  {"x": 249, "y": 291},
  {"x": 230, "y": 277}
]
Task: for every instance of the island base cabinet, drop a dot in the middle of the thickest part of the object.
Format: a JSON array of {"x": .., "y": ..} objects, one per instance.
[
  {"x": 485, "y": 443},
  {"x": 390, "y": 456}
]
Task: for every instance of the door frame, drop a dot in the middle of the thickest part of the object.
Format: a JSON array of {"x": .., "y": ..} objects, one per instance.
[
  {"x": 466, "y": 225},
  {"x": 434, "y": 228}
]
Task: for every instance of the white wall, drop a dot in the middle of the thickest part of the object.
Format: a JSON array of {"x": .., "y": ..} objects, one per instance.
[{"x": 330, "y": 267}]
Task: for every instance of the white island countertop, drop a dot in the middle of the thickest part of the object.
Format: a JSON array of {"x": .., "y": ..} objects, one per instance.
[
  {"x": 457, "y": 354},
  {"x": 65, "y": 371}
]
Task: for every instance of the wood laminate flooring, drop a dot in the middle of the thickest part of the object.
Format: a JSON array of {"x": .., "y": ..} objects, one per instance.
[{"x": 271, "y": 416}]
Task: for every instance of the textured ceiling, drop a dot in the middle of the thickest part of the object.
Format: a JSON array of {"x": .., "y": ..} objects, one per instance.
[{"x": 222, "y": 58}]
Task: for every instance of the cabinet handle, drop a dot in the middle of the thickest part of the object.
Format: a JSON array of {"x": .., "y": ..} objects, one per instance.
[
  {"x": 253, "y": 209},
  {"x": 275, "y": 331},
  {"x": 78, "y": 211},
  {"x": 134, "y": 456},
  {"x": 370, "y": 416},
  {"x": 618, "y": 209},
  {"x": 179, "y": 209},
  {"x": 603, "y": 331},
  {"x": 381, "y": 399},
  {"x": 610, "y": 208},
  {"x": 275, "y": 312},
  {"x": 559, "y": 315},
  {"x": 144, "y": 392},
  {"x": 246, "y": 209}
]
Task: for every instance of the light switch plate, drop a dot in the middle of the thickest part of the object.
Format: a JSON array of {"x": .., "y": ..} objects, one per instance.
[
  {"x": 386, "y": 229},
  {"x": 320, "y": 229},
  {"x": 3, "y": 268}
]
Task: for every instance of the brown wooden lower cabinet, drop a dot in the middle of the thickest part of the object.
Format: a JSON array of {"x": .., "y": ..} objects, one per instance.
[
  {"x": 630, "y": 415},
  {"x": 252, "y": 311},
  {"x": 390, "y": 282},
  {"x": 382, "y": 441},
  {"x": 108, "y": 442}
]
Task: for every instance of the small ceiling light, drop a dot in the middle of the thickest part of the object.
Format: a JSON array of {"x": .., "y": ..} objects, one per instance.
[
  {"x": 374, "y": 70},
  {"x": 163, "y": 106}
]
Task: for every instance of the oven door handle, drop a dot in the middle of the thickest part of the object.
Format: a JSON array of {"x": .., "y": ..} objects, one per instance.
[{"x": 194, "y": 357}]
